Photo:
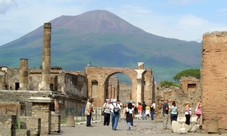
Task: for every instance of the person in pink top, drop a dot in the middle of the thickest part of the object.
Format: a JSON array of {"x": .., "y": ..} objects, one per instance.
[{"x": 198, "y": 112}]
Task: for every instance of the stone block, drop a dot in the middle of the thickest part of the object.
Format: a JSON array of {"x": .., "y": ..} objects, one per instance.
[{"x": 176, "y": 126}]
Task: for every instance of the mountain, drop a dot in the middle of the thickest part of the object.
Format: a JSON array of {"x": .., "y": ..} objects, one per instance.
[{"x": 105, "y": 40}]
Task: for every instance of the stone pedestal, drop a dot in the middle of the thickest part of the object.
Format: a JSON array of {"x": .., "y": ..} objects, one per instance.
[{"x": 41, "y": 109}]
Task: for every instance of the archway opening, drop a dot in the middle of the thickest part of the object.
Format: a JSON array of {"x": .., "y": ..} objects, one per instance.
[{"x": 119, "y": 86}]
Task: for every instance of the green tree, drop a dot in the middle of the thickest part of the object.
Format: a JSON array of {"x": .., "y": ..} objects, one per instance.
[
  {"x": 186, "y": 73},
  {"x": 167, "y": 83}
]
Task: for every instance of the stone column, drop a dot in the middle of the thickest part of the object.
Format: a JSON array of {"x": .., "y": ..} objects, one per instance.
[
  {"x": 46, "y": 58},
  {"x": 41, "y": 109},
  {"x": 110, "y": 92},
  {"x": 23, "y": 78},
  {"x": 139, "y": 71}
]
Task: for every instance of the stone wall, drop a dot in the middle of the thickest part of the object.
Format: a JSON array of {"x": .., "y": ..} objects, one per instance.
[
  {"x": 7, "y": 124},
  {"x": 179, "y": 96},
  {"x": 12, "y": 79},
  {"x": 33, "y": 124},
  {"x": 42, "y": 110},
  {"x": 55, "y": 123},
  {"x": 10, "y": 108},
  {"x": 214, "y": 78},
  {"x": 189, "y": 83}
]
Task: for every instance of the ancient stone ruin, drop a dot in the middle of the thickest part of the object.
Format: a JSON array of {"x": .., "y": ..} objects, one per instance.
[{"x": 27, "y": 95}]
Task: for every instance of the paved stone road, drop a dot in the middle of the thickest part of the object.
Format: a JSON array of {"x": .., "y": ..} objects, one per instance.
[{"x": 142, "y": 127}]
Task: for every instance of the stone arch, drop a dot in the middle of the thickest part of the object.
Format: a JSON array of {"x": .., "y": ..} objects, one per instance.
[
  {"x": 114, "y": 91},
  {"x": 141, "y": 79}
]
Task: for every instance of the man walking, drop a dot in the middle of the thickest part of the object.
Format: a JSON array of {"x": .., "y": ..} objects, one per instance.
[
  {"x": 165, "y": 113},
  {"x": 115, "y": 113},
  {"x": 143, "y": 110}
]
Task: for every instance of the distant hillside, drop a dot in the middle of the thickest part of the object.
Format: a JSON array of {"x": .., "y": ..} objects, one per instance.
[{"x": 103, "y": 39}]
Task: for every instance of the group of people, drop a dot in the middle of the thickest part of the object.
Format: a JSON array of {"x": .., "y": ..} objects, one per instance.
[
  {"x": 112, "y": 111},
  {"x": 173, "y": 110},
  {"x": 146, "y": 111}
]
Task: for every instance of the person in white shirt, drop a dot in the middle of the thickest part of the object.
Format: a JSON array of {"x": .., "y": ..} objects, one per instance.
[
  {"x": 107, "y": 110},
  {"x": 115, "y": 113}
]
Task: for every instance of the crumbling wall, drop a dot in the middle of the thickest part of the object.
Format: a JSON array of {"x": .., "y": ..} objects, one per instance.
[
  {"x": 2, "y": 79},
  {"x": 7, "y": 125},
  {"x": 12, "y": 79},
  {"x": 74, "y": 85},
  {"x": 179, "y": 96}
]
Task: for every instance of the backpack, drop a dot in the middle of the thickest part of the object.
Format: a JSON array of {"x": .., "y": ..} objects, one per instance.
[
  {"x": 115, "y": 109},
  {"x": 84, "y": 109}
]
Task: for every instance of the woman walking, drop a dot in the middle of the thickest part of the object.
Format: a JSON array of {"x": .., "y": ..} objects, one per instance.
[
  {"x": 187, "y": 113},
  {"x": 173, "y": 112},
  {"x": 129, "y": 115},
  {"x": 198, "y": 112},
  {"x": 107, "y": 107}
]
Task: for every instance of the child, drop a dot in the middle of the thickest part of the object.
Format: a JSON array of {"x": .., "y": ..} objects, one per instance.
[{"x": 129, "y": 115}]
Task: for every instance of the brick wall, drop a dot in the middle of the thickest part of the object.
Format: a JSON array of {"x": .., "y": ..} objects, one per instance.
[{"x": 214, "y": 79}]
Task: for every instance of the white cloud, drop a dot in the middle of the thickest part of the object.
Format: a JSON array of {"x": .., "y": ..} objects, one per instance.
[
  {"x": 5, "y": 5},
  {"x": 183, "y": 2}
]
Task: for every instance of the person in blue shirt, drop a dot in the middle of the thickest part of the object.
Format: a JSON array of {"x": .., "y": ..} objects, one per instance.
[{"x": 173, "y": 112}]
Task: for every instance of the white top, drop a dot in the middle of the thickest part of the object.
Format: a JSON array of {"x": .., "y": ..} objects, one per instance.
[
  {"x": 114, "y": 105},
  {"x": 108, "y": 109},
  {"x": 153, "y": 104}
]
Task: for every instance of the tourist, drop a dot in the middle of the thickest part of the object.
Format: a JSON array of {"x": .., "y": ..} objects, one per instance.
[
  {"x": 88, "y": 111},
  {"x": 147, "y": 112},
  {"x": 140, "y": 109},
  {"x": 56, "y": 106},
  {"x": 107, "y": 107},
  {"x": 152, "y": 110},
  {"x": 115, "y": 109},
  {"x": 129, "y": 115},
  {"x": 165, "y": 110},
  {"x": 173, "y": 112},
  {"x": 143, "y": 111},
  {"x": 187, "y": 113},
  {"x": 198, "y": 112}
]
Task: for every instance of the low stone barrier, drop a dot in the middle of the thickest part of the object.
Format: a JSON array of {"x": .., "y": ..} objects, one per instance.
[
  {"x": 56, "y": 123},
  {"x": 31, "y": 123}
]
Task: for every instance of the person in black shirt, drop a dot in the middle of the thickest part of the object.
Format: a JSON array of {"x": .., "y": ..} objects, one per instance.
[
  {"x": 165, "y": 114},
  {"x": 143, "y": 111}
]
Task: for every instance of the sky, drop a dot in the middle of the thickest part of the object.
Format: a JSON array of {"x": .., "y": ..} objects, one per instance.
[{"x": 180, "y": 19}]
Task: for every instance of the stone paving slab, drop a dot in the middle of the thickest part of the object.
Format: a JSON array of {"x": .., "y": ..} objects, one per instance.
[{"x": 141, "y": 127}]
